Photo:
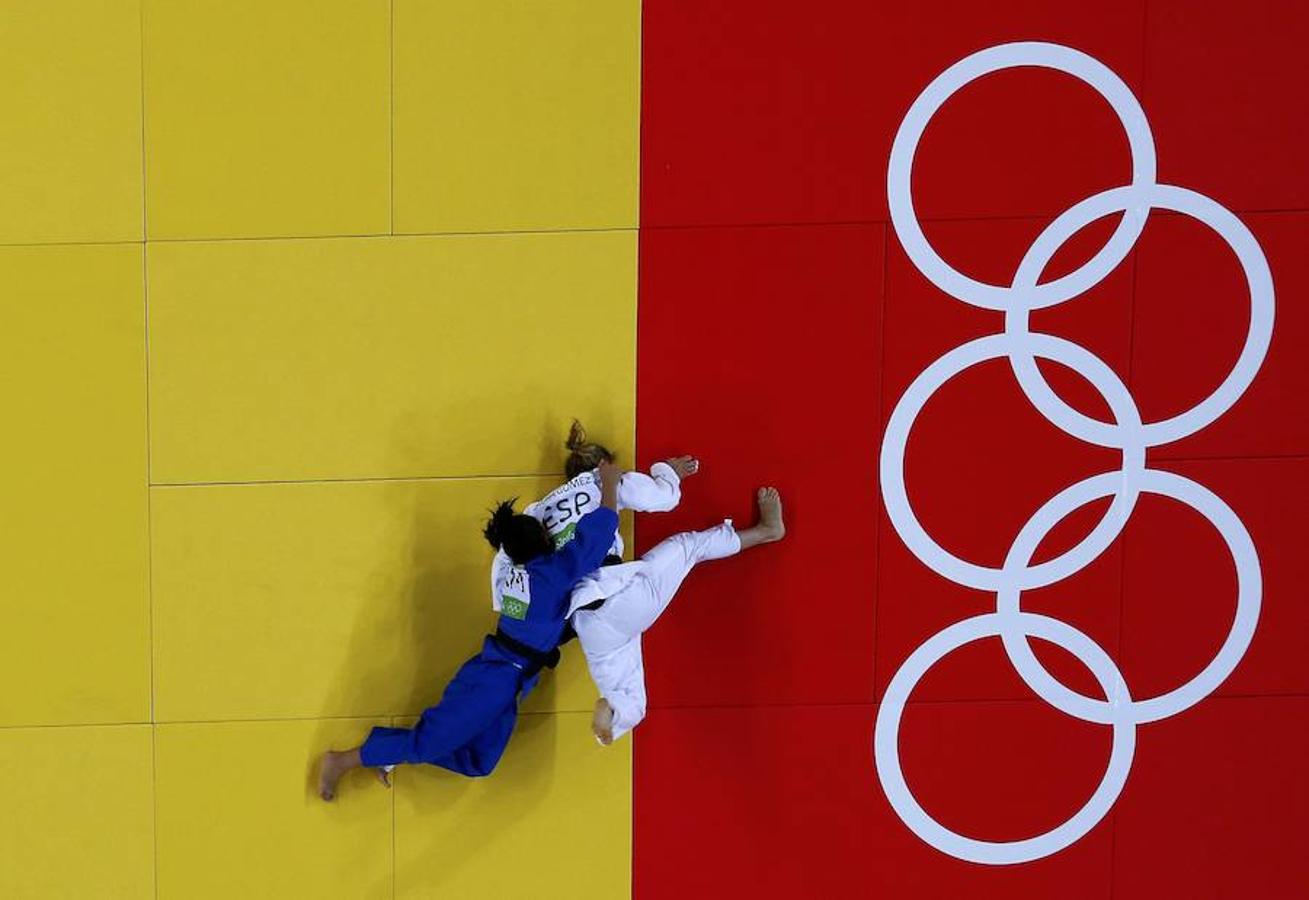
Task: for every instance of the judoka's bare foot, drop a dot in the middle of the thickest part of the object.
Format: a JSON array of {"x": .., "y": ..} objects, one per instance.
[
  {"x": 771, "y": 526},
  {"x": 770, "y": 513},
  {"x": 684, "y": 466},
  {"x": 335, "y": 764}
]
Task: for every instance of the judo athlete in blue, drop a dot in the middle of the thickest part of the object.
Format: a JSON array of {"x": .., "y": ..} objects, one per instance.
[{"x": 467, "y": 732}]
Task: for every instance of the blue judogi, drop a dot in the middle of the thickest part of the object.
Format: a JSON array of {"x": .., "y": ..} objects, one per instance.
[{"x": 467, "y": 732}]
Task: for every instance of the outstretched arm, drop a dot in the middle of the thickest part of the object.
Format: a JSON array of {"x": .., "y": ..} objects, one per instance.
[{"x": 659, "y": 491}]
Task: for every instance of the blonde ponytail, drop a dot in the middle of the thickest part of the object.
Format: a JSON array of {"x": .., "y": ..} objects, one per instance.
[{"x": 583, "y": 455}]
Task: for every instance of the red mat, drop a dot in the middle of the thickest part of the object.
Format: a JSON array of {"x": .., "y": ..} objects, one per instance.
[{"x": 781, "y": 322}]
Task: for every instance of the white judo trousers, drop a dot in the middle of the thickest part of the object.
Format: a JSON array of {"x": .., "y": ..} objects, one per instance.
[{"x": 637, "y": 593}]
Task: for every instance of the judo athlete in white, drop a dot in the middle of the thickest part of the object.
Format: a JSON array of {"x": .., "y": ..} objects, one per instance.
[
  {"x": 635, "y": 595},
  {"x": 612, "y": 607},
  {"x": 564, "y": 507}
]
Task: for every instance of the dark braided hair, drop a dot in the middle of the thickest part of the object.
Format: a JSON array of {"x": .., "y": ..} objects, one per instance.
[{"x": 521, "y": 536}]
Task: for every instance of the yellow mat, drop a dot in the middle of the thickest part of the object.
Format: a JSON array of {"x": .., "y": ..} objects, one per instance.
[{"x": 294, "y": 291}]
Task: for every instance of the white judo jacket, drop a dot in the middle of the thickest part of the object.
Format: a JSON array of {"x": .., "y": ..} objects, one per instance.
[{"x": 562, "y": 508}]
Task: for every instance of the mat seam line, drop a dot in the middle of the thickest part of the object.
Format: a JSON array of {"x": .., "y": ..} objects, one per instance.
[
  {"x": 702, "y": 707},
  {"x": 149, "y": 462},
  {"x": 633, "y": 818},
  {"x": 1131, "y": 358},
  {"x": 1240, "y": 457},
  {"x": 391, "y": 114},
  {"x": 944, "y": 220},
  {"x": 597, "y": 229},
  {"x": 881, "y": 411},
  {"x": 382, "y": 479}
]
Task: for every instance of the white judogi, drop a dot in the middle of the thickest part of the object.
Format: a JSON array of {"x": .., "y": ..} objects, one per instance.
[
  {"x": 563, "y": 507},
  {"x": 637, "y": 594}
]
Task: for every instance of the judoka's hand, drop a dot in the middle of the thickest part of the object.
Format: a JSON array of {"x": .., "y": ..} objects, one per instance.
[
  {"x": 684, "y": 466},
  {"x": 602, "y": 722}
]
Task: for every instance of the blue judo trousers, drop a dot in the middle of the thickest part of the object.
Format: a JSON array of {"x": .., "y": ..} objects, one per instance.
[{"x": 467, "y": 732}]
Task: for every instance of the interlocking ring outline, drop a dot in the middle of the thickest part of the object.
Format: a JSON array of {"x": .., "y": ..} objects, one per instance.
[{"x": 1126, "y": 433}]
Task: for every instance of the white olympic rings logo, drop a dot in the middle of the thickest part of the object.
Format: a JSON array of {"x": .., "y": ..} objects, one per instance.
[{"x": 1126, "y": 433}]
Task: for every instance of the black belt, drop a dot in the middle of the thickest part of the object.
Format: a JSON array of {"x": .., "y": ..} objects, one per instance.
[
  {"x": 611, "y": 560},
  {"x": 536, "y": 659}
]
